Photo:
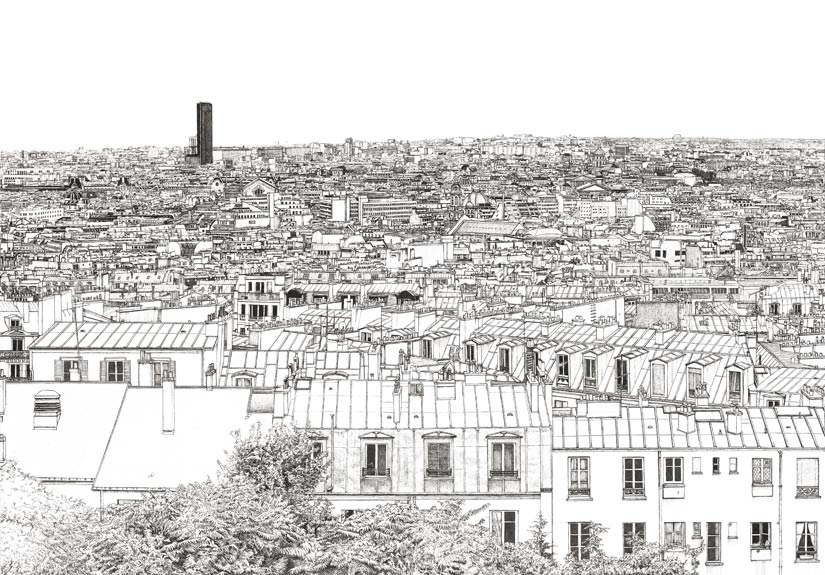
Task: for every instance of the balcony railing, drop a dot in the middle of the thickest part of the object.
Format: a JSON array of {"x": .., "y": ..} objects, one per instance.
[
  {"x": 502, "y": 474},
  {"x": 375, "y": 472},
  {"x": 7, "y": 355},
  {"x": 803, "y": 491},
  {"x": 634, "y": 492},
  {"x": 578, "y": 492},
  {"x": 439, "y": 472}
]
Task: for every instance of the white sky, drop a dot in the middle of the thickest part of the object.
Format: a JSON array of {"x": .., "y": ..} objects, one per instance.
[{"x": 94, "y": 74}]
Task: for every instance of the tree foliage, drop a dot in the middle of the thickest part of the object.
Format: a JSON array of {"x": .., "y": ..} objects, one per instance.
[{"x": 263, "y": 517}]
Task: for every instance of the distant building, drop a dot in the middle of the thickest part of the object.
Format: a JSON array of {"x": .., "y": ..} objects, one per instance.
[{"x": 199, "y": 151}]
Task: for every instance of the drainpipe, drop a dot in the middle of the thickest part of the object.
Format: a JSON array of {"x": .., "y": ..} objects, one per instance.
[
  {"x": 780, "y": 513},
  {"x": 659, "y": 491},
  {"x": 328, "y": 482}
]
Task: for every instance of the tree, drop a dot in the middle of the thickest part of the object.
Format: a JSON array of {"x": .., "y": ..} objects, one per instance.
[
  {"x": 204, "y": 528},
  {"x": 40, "y": 532},
  {"x": 282, "y": 460}
]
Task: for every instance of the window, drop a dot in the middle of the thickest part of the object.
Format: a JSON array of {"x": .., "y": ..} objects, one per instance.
[
  {"x": 19, "y": 371},
  {"x": 366, "y": 337},
  {"x": 17, "y": 344},
  {"x": 773, "y": 403},
  {"x": 317, "y": 449},
  {"x": 733, "y": 530},
  {"x": 762, "y": 471},
  {"x": 657, "y": 379},
  {"x": 761, "y": 535},
  {"x": 622, "y": 376},
  {"x": 630, "y": 533},
  {"x": 503, "y": 525},
  {"x": 470, "y": 353},
  {"x": 504, "y": 459},
  {"x": 697, "y": 530},
  {"x": 579, "y": 476},
  {"x": 796, "y": 309},
  {"x": 257, "y": 311},
  {"x": 68, "y": 366},
  {"x": 675, "y": 534},
  {"x": 427, "y": 348},
  {"x": 694, "y": 375},
  {"x": 714, "y": 542},
  {"x": 715, "y": 466},
  {"x": 773, "y": 308},
  {"x": 579, "y": 541},
  {"x": 504, "y": 359},
  {"x": 806, "y": 541},
  {"x": 114, "y": 370},
  {"x": 735, "y": 385},
  {"x": 733, "y": 465},
  {"x": 696, "y": 466},
  {"x": 674, "y": 467},
  {"x": 634, "y": 477},
  {"x": 807, "y": 477},
  {"x": 590, "y": 372},
  {"x": 438, "y": 459},
  {"x": 376, "y": 460},
  {"x": 563, "y": 376},
  {"x": 15, "y": 324}
]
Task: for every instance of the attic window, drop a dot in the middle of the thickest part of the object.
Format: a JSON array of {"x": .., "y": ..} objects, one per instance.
[{"x": 46, "y": 409}]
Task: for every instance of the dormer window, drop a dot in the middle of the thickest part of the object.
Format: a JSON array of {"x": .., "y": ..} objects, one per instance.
[
  {"x": 563, "y": 375},
  {"x": 504, "y": 359},
  {"x": 694, "y": 376},
  {"x": 427, "y": 348},
  {"x": 46, "y": 409},
  {"x": 735, "y": 385},
  {"x": 15, "y": 323},
  {"x": 470, "y": 353}
]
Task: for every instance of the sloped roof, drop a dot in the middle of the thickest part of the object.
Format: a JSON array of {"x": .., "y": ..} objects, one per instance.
[
  {"x": 132, "y": 335},
  {"x": 75, "y": 448}
]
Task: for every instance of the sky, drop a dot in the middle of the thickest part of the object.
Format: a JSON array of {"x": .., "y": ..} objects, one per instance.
[{"x": 113, "y": 74}]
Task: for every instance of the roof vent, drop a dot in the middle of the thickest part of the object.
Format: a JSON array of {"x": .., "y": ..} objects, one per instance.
[{"x": 46, "y": 409}]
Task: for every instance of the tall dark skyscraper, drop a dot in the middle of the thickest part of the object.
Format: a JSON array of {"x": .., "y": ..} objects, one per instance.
[{"x": 204, "y": 133}]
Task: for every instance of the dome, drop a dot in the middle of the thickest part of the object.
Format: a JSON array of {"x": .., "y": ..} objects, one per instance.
[{"x": 476, "y": 199}]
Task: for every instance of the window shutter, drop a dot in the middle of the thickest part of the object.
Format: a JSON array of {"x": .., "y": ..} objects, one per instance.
[
  {"x": 495, "y": 524},
  {"x": 173, "y": 369},
  {"x": 58, "y": 370},
  {"x": 84, "y": 370},
  {"x": 127, "y": 370},
  {"x": 104, "y": 374}
]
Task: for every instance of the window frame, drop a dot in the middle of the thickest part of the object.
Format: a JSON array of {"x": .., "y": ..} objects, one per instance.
[
  {"x": 375, "y": 471},
  {"x": 590, "y": 371},
  {"x": 654, "y": 366},
  {"x": 110, "y": 373},
  {"x": 635, "y": 486},
  {"x": 563, "y": 369},
  {"x": 622, "y": 366},
  {"x": 500, "y": 471},
  {"x": 504, "y": 358},
  {"x": 438, "y": 472},
  {"x": 500, "y": 520},
  {"x": 634, "y": 531},
  {"x": 808, "y": 489},
  {"x": 694, "y": 379},
  {"x": 578, "y": 487},
  {"x": 813, "y": 548},
  {"x": 674, "y": 466},
  {"x": 671, "y": 533},
  {"x": 582, "y": 532},
  {"x": 714, "y": 533},
  {"x": 760, "y": 535},
  {"x": 759, "y": 465}
]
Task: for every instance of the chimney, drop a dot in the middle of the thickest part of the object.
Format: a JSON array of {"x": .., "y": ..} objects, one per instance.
[
  {"x": 686, "y": 421},
  {"x": 168, "y": 392},
  {"x": 733, "y": 420},
  {"x": 664, "y": 331},
  {"x": 642, "y": 397},
  {"x": 210, "y": 377},
  {"x": 605, "y": 327}
]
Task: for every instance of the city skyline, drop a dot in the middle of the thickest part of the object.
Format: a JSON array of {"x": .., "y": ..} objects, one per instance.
[{"x": 288, "y": 74}]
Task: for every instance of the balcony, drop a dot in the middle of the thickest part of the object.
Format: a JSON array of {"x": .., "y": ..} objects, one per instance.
[
  {"x": 15, "y": 356},
  {"x": 502, "y": 474},
  {"x": 762, "y": 489},
  {"x": 633, "y": 493},
  {"x": 807, "y": 492},
  {"x": 579, "y": 493},
  {"x": 439, "y": 473},
  {"x": 375, "y": 472}
]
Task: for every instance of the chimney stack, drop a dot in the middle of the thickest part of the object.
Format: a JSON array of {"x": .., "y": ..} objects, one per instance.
[
  {"x": 210, "y": 377},
  {"x": 168, "y": 392},
  {"x": 733, "y": 419}
]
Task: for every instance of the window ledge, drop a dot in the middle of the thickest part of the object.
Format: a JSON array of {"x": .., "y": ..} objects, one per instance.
[
  {"x": 806, "y": 560},
  {"x": 634, "y": 497},
  {"x": 579, "y": 498},
  {"x": 714, "y": 563}
]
